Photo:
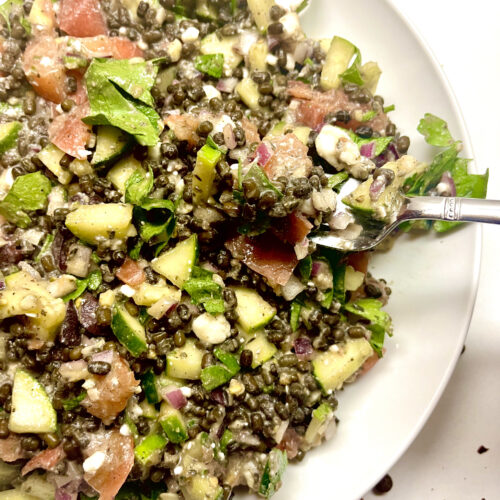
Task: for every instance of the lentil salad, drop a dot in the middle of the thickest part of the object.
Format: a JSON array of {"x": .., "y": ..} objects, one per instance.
[{"x": 162, "y": 167}]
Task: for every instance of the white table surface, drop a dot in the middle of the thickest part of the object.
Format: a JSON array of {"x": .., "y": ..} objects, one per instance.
[{"x": 443, "y": 463}]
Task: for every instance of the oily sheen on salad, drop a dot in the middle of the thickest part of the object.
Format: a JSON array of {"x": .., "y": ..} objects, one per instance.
[{"x": 168, "y": 331}]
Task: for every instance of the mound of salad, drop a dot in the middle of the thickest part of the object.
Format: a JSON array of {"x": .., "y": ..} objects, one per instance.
[{"x": 168, "y": 331}]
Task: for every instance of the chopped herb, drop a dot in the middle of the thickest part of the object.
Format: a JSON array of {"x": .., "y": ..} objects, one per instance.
[
  {"x": 211, "y": 64},
  {"x": 72, "y": 403},
  {"x": 92, "y": 282},
  {"x": 390, "y": 108},
  {"x": 214, "y": 145},
  {"x": 204, "y": 290},
  {"x": 295, "y": 314},
  {"x": 305, "y": 268},
  {"x": 369, "y": 115},
  {"x": 45, "y": 247},
  {"x": 435, "y": 130},
  {"x": 336, "y": 180},
  {"x": 353, "y": 73}
]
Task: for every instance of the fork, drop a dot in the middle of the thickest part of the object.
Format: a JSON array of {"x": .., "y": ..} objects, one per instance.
[{"x": 366, "y": 236}]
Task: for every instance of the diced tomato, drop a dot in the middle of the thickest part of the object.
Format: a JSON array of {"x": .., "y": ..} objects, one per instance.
[
  {"x": 44, "y": 70},
  {"x": 369, "y": 363},
  {"x": 11, "y": 449},
  {"x": 184, "y": 127},
  {"x": 81, "y": 18},
  {"x": 290, "y": 443},
  {"x": 131, "y": 273},
  {"x": 46, "y": 459},
  {"x": 112, "y": 391},
  {"x": 293, "y": 228},
  {"x": 266, "y": 255},
  {"x": 250, "y": 129},
  {"x": 115, "y": 47},
  {"x": 289, "y": 158},
  {"x": 70, "y": 134},
  {"x": 313, "y": 106},
  {"x": 118, "y": 462},
  {"x": 359, "y": 261}
]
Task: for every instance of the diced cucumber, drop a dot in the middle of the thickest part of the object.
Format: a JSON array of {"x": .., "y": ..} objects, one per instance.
[
  {"x": 128, "y": 330},
  {"x": 204, "y": 173},
  {"x": 148, "y": 410},
  {"x": 119, "y": 174},
  {"x": 185, "y": 362},
  {"x": 273, "y": 471},
  {"x": 202, "y": 487},
  {"x": 149, "y": 447},
  {"x": 148, "y": 384},
  {"x": 147, "y": 294},
  {"x": 80, "y": 167},
  {"x": 214, "y": 376},
  {"x": 253, "y": 311},
  {"x": 337, "y": 61},
  {"x": 32, "y": 410},
  {"x": 111, "y": 143},
  {"x": 41, "y": 15},
  {"x": 260, "y": 12},
  {"x": 248, "y": 90},
  {"x": 51, "y": 156},
  {"x": 333, "y": 368},
  {"x": 352, "y": 279},
  {"x": 261, "y": 348},
  {"x": 211, "y": 44},
  {"x": 100, "y": 222},
  {"x": 8, "y": 135},
  {"x": 370, "y": 72},
  {"x": 325, "y": 44},
  {"x": 321, "y": 417},
  {"x": 16, "y": 495},
  {"x": 177, "y": 263},
  {"x": 172, "y": 423},
  {"x": 37, "y": 485},
  {"x": 206, "y": 11},
  {"x": 257, "y": 55},
  {"x": 302, "y": 134}
]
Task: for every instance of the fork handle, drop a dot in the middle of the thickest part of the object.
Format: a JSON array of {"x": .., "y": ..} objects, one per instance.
[{"x": 453, "y": 209}]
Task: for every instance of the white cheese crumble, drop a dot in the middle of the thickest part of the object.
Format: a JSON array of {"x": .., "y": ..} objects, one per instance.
[
  {"x": 94, "y": 462},
  {"x": 236, "y": 387},
  {"x": 291, "y": 24},
  {"x": 125, "y": 430},
  {"x": 190, "y": 34},
  {"x": 178, "y": 470},
  {"x": 174, "y": 50},
  {"x": 211, "y": 92},
  {"x": 127, "y": 290},
  {"x": 211, "y": 329},
  {"x": 186, "y": 392}
]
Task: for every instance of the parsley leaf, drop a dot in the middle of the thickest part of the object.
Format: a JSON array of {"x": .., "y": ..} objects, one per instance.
[
  {"x": 353, "y": 73},
  {"x": 138, "y": 186},
  {"x": 381, "y": 143},
  {"x": 92, "y": 282},
  {"x": 72, "y": 403},
  {"x": 380, "y": 321},
  {"x": 211, "y": 64},
  {"x": 204, "y": 290},
  {"x": 295, "y": 314},
  {"x": 435, "y": 130},
  {"x": 336, "y": 180},
  {"x": 28, "y": 192}
]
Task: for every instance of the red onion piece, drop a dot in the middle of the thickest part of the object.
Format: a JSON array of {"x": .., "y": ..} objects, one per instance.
[
  {"x": 368, "y": 150},
  {"x": 227, "y": 84},
  {"x": 448, "y": 181},
  {"x": 303, "y": 348},
  {"x": 317, "y": 267},
  {"x": 377, "y": 187},
  {"x": 174, "y": 396},
  {"x": 263, "y": 154},
  {"x": 2, "y": 285},
  {"x": 229, "y": 138},
  {"x": 10, "y": 254},
  {"x": 104, "y": 356},
  {"x": 219, "y": 396},
  {"x": 272, "y": 42}
]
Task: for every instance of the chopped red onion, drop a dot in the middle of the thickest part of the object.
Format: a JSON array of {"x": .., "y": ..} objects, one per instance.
[
  {"x": 104, "y": 356},
  {"x": 2, "y": 285},
  {"x": 263, "y": 154},
  {"x": 377, "y": 187},
  {"x": 227, "y": 84},
  {"x": 280, "y": 431},
  {"x": 219, "y": 396},
  {"x": 229, "y": 138},
  {"x": 174, "y": 396},
  {"x": 302, "y": 249},
  {"x": 272, "y": 42},
  {"x": 318, "y": 266},
  {"x": 303, "y": 348},
  {"x": 368, "y": 150},
  {"x": 447, "y": 184},
  {"x": 292, "y": 288}
]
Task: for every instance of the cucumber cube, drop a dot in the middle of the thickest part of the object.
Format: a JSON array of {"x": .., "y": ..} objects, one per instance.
[
  {"x": 32, "y": 410},
  {"x": 51, "y": 156},
  {"x": 111, "y": 143},
  {"x": 128, "y": 330},
  {"x": 177, "y": 263},
  {"x": 262, "y": 349},
  {"x": 337, "y": 61},
  {"x": 253, "y": 311},
  {"x": 204, "y": 173},
  {"x": 148, "y": 447},
  {"x": 173, "y": 424},
  {"x": 185, "y": 362}
]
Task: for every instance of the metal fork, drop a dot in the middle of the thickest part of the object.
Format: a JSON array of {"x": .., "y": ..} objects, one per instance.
[{"x": 423, "y": 207}]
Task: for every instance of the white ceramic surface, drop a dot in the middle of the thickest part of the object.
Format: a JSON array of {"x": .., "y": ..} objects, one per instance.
[{"x": 433, "y": 291}]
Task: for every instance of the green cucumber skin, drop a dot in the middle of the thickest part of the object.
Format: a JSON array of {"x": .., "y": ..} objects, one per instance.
[{"x": 127, "y": 338}]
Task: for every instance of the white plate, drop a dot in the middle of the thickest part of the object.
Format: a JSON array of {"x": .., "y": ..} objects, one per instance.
[{"x": 434, "y": 279}]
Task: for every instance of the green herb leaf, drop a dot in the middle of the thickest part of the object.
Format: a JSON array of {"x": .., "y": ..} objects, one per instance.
[
  {"x": 138, "y": 186},
  {"x": 211, "y": 143},
  {"x": 93, "y": 281},
  {"x": 211, "y": 64},
  {"x": 229, "y": 360},
  {"x": 381, "y": 143},
  {"x": 390, "y": 108},
  {"x": 336, "y": 180},
  {"x": 353, "y": 73},
  {"x": 295, "y": 315},
  {"x": 72, "y": 403},
  {"x": 204, "y": 290},
  {"x": 45, "y": 247},
  {"x": 369, "y": 115},
  {"x": 305, "y": 268},
  {"x": 380, "y": 321},
  {"x": 225, "y": 440},
  {"x": 273, "y": 470},
  {"x": 28, "y": 192},
  {"x": 119, "y": 95},
  {"x": 435, "y": 130},
  {"x": 263, "y": 182}
]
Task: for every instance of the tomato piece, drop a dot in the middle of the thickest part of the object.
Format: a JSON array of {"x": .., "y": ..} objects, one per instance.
[
  {"x": 369, "y": 363},
  {"x": 289, "y": 158},
  {"x": 290, "y": 443},
  {"x": 112, "y": 391},
  {"x": 266, "y": 255},
  {"x": 44, "y": 70},
  {"x": 293, "y": 228},
  {"x": 70, "y": 134},
  {"x": 115, "y": 47},
  {"x": 250, "y": 129},
  {"x": 11, "y": 449},
  {"x": 184, "y": 127},
  {"x": 359, "y": 261},
  {"x": 131, "y": 273},
  {"x": 118, "y": 462},
  {"x": 81, "y": 18},
  {"x": 46, "y": 459}
]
